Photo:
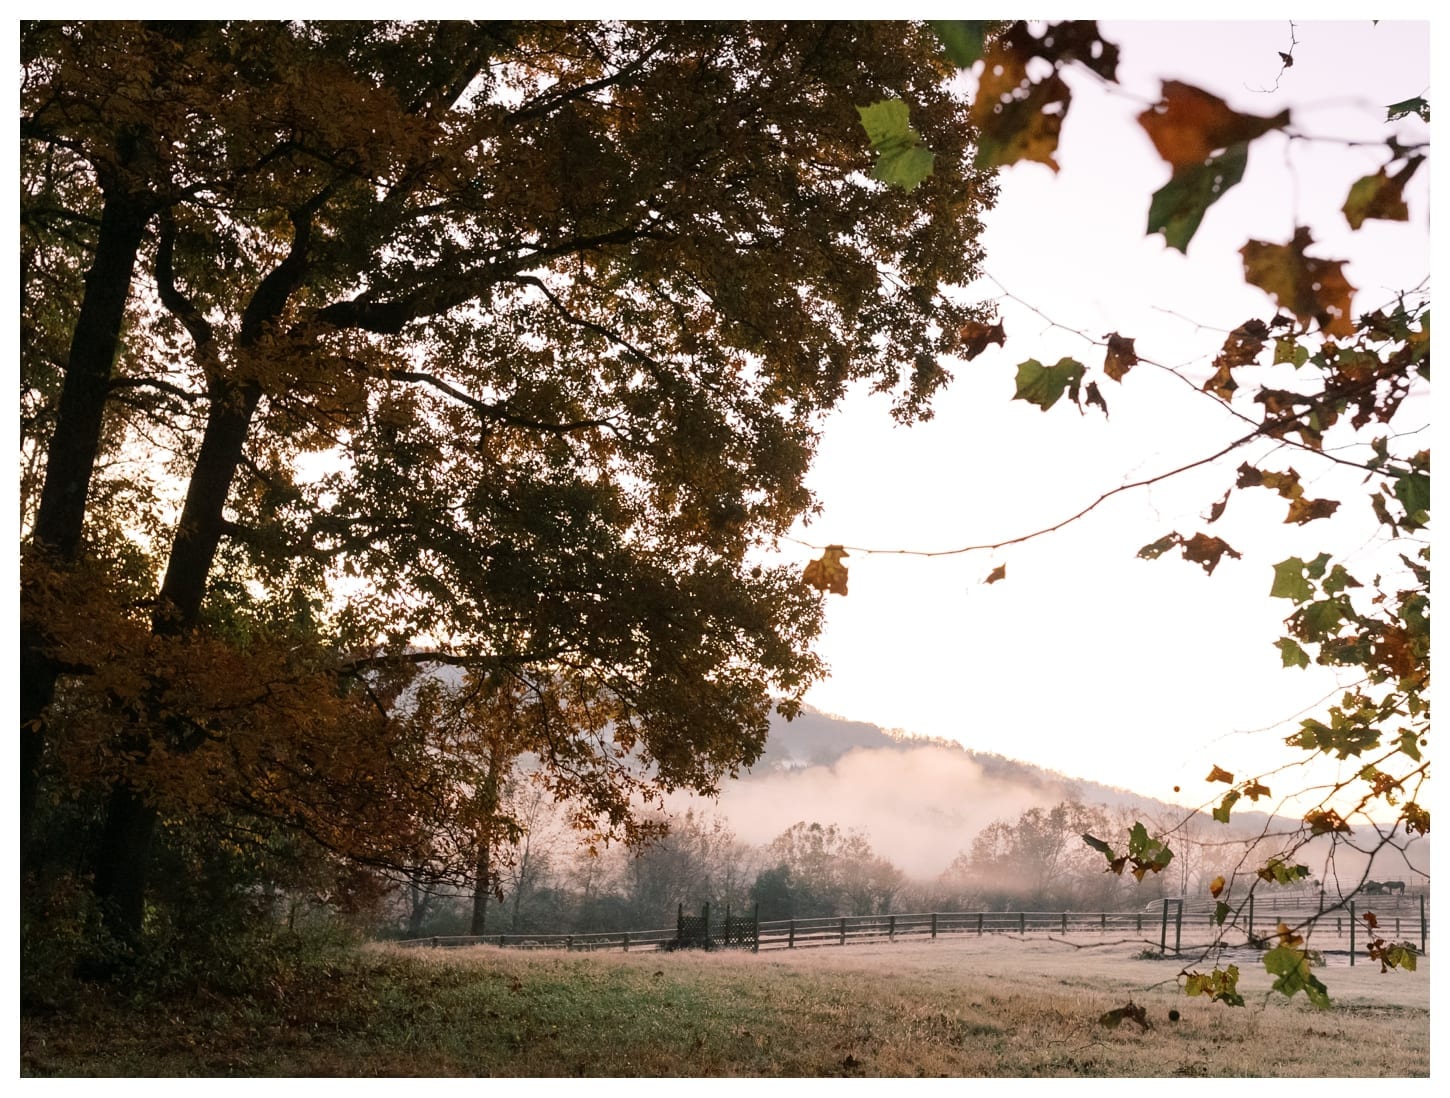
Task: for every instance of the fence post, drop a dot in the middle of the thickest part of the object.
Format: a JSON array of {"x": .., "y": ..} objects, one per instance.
[
  {"x": 755, "y": 931},
  {"x": 1021, "y": 922},
  {"x": 791, "y": 944},
  {"x": 1178, "y": 931},
  {"x": 933, "y": 921},
  {"x": 1351, "y": 933},
  {"x": 1163, "y": 933},
  {"x": 1064, "y": 922},
  {"x": 891, "y": 929},
  {"x": 569, "y": 944},
  {"x": 1423, "y": 928},
  {"x": 1251, "y": 918},
  {"x": 979, "y": 924},
  {"x": 500, "y": 941},
  {"x": 1140, "y": 922},
  {"x": 707, "y": 926},
  {"x": 626, "y": 941},
  {"x": 843, "y": 930}
]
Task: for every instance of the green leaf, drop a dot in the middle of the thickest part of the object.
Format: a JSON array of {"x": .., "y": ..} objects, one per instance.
[
  {"x": 1221, "y": 911},
  {"x": 1281, "y": 872},
  {"x": 1290, "y": 351},
  {"x": 1418, "y": 105},
  {"x": 1291, "y": 966},
  {"x": 1225, "y": 807},
  {"x": 906, "y": 168},
  {"x": 1159, "y": 547},
  {"x": 1044, "y": 385},
  {"x": 1317, "y": 621},
  {"x": 1292, "y": 654},
  {"x": 1380, "y": 196},
  {"x": 1179, "y": 205},
  {"x": 1289, "y": 581},
  {"x": 1220, "y": 985},
  {"x": 1409, "y": 744},
  {"x": 1413, "y": 492},
  {"x": 964, "y": 39},
  {"x": 1401, "y": 956},
  {"x": 901, "y": 158}
]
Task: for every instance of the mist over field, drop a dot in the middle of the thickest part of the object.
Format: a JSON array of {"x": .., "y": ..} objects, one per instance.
[
  {"x": 922, "y": 801},
  {"x": 919, "y": 801},
  {"x": 920, "y": 806}
]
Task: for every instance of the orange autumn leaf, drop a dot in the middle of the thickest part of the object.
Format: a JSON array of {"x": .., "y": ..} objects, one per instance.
[
  {"x": 1256, "y": 789},
  {"x": 1188, "y": 125}
]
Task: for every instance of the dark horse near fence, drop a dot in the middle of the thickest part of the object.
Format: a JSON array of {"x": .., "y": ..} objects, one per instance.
[{"x": 1375, "y": 888}]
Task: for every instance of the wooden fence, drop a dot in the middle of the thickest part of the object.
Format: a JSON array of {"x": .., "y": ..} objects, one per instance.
[{"x": 1169, "y": 925}]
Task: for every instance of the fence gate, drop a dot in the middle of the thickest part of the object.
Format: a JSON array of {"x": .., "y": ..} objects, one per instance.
[{"x": 733, "y": 932}]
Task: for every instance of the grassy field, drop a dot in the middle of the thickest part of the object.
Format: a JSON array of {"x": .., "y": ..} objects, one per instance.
[{"x": 960, "y": 1007}]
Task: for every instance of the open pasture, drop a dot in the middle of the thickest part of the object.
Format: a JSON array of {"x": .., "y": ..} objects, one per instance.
[{"x": 990, "y": 1007}]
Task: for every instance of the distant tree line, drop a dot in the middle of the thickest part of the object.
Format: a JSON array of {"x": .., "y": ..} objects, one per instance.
[{"x": 546, "y": 881}]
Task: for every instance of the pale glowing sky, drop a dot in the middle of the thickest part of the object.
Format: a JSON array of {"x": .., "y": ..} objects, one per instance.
[{"x": 1136, "y": 673}]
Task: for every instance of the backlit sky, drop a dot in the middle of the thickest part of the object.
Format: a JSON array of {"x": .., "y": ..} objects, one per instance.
[{"x": 1085, "y": 659}]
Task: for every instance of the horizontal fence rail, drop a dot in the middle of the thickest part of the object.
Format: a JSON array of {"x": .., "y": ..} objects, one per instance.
[{"x": 1171, "y": 925}]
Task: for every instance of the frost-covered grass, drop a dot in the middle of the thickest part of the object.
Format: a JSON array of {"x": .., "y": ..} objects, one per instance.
[{"x": 957, "y": 1007}]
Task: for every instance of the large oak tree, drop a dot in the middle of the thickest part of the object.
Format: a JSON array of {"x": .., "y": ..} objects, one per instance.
[{"x": 502, "y": 345}]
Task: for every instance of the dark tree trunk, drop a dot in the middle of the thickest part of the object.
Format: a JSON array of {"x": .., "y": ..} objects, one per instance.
[
  {"x": 420, "y": 902},
  {"x": 70, "y": 463},
  {"x": 125, "y": 844},
  {"x": 199, "y": 532},
  {"x": 482, "y": 885},
  {"x": 126, "y": 837},
  {"x": 124, "y": 851}
]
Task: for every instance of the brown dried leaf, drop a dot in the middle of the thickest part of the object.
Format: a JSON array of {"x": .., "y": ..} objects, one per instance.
[
  {"x": 1380, "y": 196},
  {"x": 1017, "y": 119},
  {"x": 1131, "y": 1012},
  {"x": 1121, "y": 357},
  {"x": 827, "y": 573},
  {"x": 977, "y": 337},
  {"x": 1241, "y": 348},
  {"x": 1307, "y": 510},
  {"x": 998, "y": 573},
  {"x": 1325, "y": 821},
  {"x": 1219, "y": 774},
  {"x": 1216, "y": 511},
  {"x": 1207, "y": 551},
  {"x": 1311, "y": 289}
]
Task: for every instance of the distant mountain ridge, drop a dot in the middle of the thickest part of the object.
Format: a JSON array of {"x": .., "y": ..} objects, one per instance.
[
  {"x": 921, "y": 799},
  {"x": 817, "y": 738}
]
